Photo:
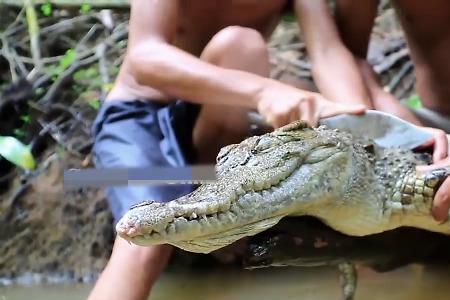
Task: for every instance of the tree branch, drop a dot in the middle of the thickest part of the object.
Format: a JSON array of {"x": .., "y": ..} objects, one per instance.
[{"x": 33, "y": 29}]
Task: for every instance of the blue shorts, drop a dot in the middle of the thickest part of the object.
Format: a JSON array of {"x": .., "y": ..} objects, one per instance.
[{"x": 143, "y": 134}]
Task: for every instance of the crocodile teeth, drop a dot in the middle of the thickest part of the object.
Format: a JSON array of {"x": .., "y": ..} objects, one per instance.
[
  {"x": 179, "y": 212},
  {"x": 235, "y": 209},
  {"x": 213, "y": 222},
  {"x": 225, "y": 206},
  {"x": 240, "y": 191},
  {"x": 193, "y": 216},
  {"x": 181, "y": 220},
  {"x": 171, "y": 229},
  {"x": 180, "y": 223},
  {"x": 212, "y": 208},
  {"x": 156, "y": 235},
  {"x": 232, "y": 217},
  {"x": 222, "y": 217},
  {"x": 205, "y": 226},
  {"x": 259, "y": 185},
  {"x": 267, "y": 185}
]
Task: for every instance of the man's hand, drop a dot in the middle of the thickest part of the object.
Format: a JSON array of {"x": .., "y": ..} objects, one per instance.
[
  {"x": 440, "y": 143},
  {"x": 280, "y": 104},
  {"x": 441, "y": 202}
]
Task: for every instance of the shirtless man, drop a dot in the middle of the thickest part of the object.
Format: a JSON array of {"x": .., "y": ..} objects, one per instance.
[
  {"x": 427, "y": 28},
  {"x": 211, "y": 54},
  {"x": 208, "y": 53}
]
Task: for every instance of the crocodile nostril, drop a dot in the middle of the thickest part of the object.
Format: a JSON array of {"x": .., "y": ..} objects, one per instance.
[
  {"x": 132, "y": 232},
  {"x": 126, "y": 228}
]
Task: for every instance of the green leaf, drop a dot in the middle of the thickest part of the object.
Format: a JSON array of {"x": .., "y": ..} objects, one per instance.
[
  {"x": 67, "y": 59},
  {"x": 47, "y": 9},
  {"x": 39, "y": 91},
  {"x": 64, "y": 63},
  {"x": 414, "y": 102},
  {"x": 289, "y": 17},
  {"x": 108, "y": 86},
  {"x": 86, "y": 74},
  {"x": 85, "y": 8},
  {"x": 95, "y": 104},
  {"x": 20, "y": 133},
  {"x": 16, "y": 152},
  {"x": 26, "y": 119},
  {"x": 52, "y": 71}
]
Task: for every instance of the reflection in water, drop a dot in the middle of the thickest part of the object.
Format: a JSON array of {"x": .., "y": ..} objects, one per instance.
[{"x": 410, "y": 283}]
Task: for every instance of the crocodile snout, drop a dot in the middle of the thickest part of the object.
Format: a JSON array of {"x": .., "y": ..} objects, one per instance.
[{"x": 127, "y": 228}]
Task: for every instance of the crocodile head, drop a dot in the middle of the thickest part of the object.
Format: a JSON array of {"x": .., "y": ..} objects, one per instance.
[{"x": 259, "y": 182}]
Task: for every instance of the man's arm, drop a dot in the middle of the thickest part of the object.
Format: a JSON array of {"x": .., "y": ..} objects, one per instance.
[
  {"x": 338, "y": 54},
  {"x": 154, "y": 62},
  {"x": 355, "y": 20},
  {"x": 335, "y": 69}
]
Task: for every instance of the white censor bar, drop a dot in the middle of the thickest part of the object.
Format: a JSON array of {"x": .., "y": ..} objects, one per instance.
[{"x": 79, "y": 178}]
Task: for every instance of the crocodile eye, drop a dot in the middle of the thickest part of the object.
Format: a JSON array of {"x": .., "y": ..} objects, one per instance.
[
  {"x": 370, "y": 148},
  {"x": 263, "y": 144}
]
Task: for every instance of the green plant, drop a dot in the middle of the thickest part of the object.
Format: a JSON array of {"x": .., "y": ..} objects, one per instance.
[
  {"x": 47, "y": 9},
  {"x": 16, "y": 152},
  {"x": 65, "y": 62},
  {"x": 289, "y": 17},
  {"x": 108, "y": 86},
  {"x": 95, "y": 104},
  {"x": 26, "y": 119},
  {"x": 20, "y": 133},
  {"x": 414, "y": 102},
  {"x": 67, "y": 59},
  {"x": 86, "y": 74},
  {"x": 85, "y": 8},
  {"x": 39, "y": 91}
]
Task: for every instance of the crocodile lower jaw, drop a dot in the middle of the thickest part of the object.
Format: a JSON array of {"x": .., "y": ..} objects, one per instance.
[
  {"x": 210, "y": 242},
  {"x": 196, "y": 227}
]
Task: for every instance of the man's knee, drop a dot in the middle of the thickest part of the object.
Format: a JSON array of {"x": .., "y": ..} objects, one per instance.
[
  {"x": 236, "y": 41},
  {"x": 239, "y": 48}
]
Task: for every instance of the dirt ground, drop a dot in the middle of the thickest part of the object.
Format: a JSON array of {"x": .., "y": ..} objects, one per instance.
[{"x": 49, "y": 231}]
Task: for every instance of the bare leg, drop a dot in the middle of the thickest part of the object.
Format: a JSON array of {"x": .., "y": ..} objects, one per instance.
[
  {"x": 219, "y": 125},
  {"x": 133, "y": 264},
  {"x": 426, "y": 26}
]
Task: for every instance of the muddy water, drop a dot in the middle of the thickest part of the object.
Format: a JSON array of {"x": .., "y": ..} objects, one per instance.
[{"x": 410, "y": 283}]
